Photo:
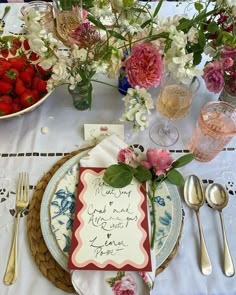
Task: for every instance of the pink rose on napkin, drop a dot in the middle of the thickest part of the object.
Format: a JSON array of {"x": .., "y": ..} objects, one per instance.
[
  {"x": 214, "y": 76},
  {"x": 144, "y": 66},
  {"x": 159, "y": 160},
  {"x": 126, "y": 286},
  {"x": 126, "y": 156}
]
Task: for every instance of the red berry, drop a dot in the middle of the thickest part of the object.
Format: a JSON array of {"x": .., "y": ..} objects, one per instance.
[
  {"x": 10, "y": 76},
  {"x": 5, "y": 87},
  {"x": 26, "y": 77},
  {"x": 4, "y": 52},
  {"x": 5, "y": 108},
  {"x": 6, "y": 99},
  {"x": 26, "y": 45},
  {"x": 19, "y": 87},
  {"x": 27, "y": 98}
]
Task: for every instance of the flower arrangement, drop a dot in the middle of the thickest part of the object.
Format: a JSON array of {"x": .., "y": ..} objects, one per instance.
[
  {"x": 154, "y": 166},
  {"x": 220, "y": 72},
  {"x": 128, "y": 34}
]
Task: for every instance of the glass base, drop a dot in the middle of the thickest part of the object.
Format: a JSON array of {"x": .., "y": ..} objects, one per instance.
[{"x": 164, "y": 135}]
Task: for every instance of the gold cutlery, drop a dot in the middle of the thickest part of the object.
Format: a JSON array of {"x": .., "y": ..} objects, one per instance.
[
  {"x": 217, "y": 198},
  {"x": 2, "y": 23},
  {"x": 194, "y": 198},
  {"x": 22, "y": 201}
]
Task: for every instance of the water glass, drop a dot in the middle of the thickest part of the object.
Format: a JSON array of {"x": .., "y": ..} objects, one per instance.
[
  {"x": 45, "y": 10},
  {"x": 215, "y": 127}
]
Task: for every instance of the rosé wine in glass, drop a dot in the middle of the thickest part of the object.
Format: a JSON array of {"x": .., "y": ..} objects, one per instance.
[{"x": 173, "y": 102}]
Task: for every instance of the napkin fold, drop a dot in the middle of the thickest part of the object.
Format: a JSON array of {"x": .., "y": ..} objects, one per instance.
[{"x": 87, "y": 282}]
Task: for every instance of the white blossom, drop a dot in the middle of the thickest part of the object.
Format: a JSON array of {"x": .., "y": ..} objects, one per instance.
[{"x": 138, "y": 103}]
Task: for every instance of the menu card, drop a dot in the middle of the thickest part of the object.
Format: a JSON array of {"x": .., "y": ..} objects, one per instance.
[{"x": 110, "y": 230}]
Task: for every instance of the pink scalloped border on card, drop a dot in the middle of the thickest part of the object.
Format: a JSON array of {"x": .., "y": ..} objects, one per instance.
[{"x": 110, "y": 230}]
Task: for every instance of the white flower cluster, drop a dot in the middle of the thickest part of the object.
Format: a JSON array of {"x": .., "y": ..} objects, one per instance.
[
  {"x": 39, "y": 39},
  {"x": 177, "y": 61},
  {"x": 138, "y": 103}
]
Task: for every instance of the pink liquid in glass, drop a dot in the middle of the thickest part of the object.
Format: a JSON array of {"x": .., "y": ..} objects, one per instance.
[{"x": 215, "y": 128}]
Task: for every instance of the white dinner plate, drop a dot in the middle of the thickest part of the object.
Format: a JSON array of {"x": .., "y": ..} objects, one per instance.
[{"x": 57, "y": 214}]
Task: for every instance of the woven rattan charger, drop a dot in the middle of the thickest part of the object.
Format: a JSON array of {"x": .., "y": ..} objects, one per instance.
[{"x": 43, "y": 258}]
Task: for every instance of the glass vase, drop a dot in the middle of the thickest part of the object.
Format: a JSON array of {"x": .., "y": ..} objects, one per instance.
[
  {"x": 123, "y": 83},
  {"x": 80, "y": 95},
  {"x": 228, "y": 94}
]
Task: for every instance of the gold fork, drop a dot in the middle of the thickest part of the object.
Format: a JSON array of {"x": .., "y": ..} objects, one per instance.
[{"x": 22, "y": 201}]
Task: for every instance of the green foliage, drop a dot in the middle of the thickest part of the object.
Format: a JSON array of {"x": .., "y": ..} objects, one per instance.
[
  {"x": 182, "y": 161},
  {"x": 175, "y": 177},
  {"x": 142, "y": 174},
  {"x": 117, "y": 176}
]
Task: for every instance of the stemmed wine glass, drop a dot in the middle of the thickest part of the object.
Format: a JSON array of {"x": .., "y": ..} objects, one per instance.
[{"x": 174, "y": 102}]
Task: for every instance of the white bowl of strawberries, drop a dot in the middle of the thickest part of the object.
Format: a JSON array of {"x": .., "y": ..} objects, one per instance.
[{"x": 23, "y": 83}]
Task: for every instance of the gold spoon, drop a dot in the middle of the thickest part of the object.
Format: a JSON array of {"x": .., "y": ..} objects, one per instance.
[
  {"x": 194, "y": 198},
  {"x": 217, "y": 198},
  {"x": 2, "y": 23}
]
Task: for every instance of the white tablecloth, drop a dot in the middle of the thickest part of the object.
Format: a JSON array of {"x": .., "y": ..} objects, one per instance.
[{"x": 23, "y": 147}]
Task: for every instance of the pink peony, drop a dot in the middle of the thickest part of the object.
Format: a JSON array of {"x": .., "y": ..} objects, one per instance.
[
  {"x": 228, "y": 51},
  {"x": 126, "y": 286},
  {"x": 214, "y": 76},
  {"x": 159, "y": 160},
  {"x": 126, "y": 156},
  {"x": 144, "y": 66}
]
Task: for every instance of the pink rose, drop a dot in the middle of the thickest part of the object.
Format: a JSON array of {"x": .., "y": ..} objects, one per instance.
[
  {"x": 126, "y": 156},
  {"x": 228, "y": 63},
  {"x": 159, "y": 160},
  {"x": 144, "y": 66},
  {"x": 214, "y": 76},
  {"x": 126, "y": 286},
  {"x": 228, "y": 51}
]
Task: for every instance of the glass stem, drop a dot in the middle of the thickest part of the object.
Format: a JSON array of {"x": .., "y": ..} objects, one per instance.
[{"x": 166, "y": 126}]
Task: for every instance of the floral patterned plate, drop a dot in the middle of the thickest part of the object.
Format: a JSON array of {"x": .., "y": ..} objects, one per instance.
[
  {"x": 45, "y": 217},
  {"x": 60, "y": 197}
]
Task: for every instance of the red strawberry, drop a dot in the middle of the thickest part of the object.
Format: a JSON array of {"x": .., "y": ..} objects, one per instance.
[
  {"x": 19, "y": 87},
  {"x": 6, "y": 99},
  {"x": 42, "y": 86},
  {"x": 16, "y": 107},
  {"x": 5, "y": 87},
  {"x": 33, "y": 56},
  {"x": 5, "y": 108},
  {"x": 16, "y": 43},
  {"x": 26, "y": 77},
  {"x": 10, "y": 76},
  {"x": 4, "y": 66},
  {"x": 13, "y": 50},
  {"x": 18, "y": 63},
  {"x": 26, "y": 45},
  {"x": 35, "y": 82},
  {"x": 36, "y": 94},
  {"x": 4, "y": 52},
  {"x": 27, "y": 98}
]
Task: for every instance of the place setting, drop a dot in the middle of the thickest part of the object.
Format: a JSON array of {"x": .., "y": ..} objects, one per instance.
[{"x": 58, "y": 201}]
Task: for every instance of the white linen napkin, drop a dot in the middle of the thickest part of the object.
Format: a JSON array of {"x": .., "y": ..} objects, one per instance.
[{"x": 87, "y": 282}]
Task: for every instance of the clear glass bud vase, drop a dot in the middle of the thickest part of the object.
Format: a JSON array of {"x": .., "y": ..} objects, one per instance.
[{"x": 81, "y": 96}]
